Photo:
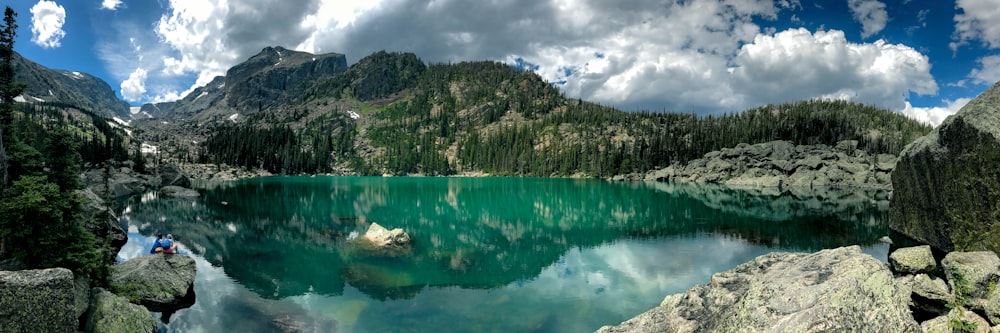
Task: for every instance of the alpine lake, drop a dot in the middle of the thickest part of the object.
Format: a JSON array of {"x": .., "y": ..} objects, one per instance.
[{"x": 279, "y": 254}]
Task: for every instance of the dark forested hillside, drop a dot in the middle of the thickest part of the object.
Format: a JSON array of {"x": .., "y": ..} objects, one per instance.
[{"x": 392, "y": 114}]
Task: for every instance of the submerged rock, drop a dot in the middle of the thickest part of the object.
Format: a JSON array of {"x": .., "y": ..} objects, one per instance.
[
  {"x": 41, "y": 300},
  {"x": 178, "y": 192},
  {"x": 912, "y": 260},
  {"x": 836, "y": 290},
  {"x": 946, "y": 186},
  {"x": 160, "y": 282},
  {"x": 110, "y": 313}
]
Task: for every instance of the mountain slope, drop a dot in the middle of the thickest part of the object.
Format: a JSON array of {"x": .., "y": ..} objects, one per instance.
[
  {"x": 392, "y": 114},
  {"x": 68, "y": 87},
  {"x": 265, "y": 81}
]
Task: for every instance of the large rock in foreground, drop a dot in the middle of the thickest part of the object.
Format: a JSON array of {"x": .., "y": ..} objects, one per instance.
[
  {"x": 946, "y": 185},
  {"x": 39, "y": 300},
  {"x": 160, "y": 282},
  {"x": 110, "y": 313},
  {"x": 838, "y": 290}
]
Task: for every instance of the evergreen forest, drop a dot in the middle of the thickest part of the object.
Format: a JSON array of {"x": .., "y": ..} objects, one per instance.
[{"x": 488, "y": 117}]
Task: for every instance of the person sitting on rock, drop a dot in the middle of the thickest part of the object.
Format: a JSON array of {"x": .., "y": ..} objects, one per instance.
[
  {"x": 157, "y": 245},
  {"x": 169, "y": 246}
]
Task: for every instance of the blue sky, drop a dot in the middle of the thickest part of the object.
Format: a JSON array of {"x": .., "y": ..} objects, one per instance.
[{"x": 923, "y": 58}]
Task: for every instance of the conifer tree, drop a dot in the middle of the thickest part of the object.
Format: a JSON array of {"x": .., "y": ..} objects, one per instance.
[{"x": 8, "y": 87}]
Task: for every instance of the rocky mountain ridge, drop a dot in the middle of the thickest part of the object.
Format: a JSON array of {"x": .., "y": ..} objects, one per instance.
[
  {"x": 68, "y": 87},
  {"x": 262, "y": 82}
]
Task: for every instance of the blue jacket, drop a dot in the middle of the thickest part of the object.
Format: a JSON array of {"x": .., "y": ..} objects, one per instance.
[{"x": 156, "y": 244}]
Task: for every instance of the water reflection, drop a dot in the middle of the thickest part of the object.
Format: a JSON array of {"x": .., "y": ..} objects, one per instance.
[{"x": 555, "y": 253}]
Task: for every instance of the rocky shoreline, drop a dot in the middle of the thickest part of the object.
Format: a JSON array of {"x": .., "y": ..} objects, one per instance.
[
  {"x": 945, "y": 192},
  {"x": 54, "y": 300},
  {"x": 781, "y": 165},
  {"x": 837, "y": 290}
]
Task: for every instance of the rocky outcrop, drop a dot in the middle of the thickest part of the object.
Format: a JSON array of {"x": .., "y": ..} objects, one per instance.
[
  {"x": 946, "y": 185},
  {"x": 382, "y": 237},
  {"x": 781, "y": 164},
  {"x": 836, "y": 290},
  {"x": 37, "y": 301},
  {"x": 221, "y": 172},
  {"x": 913, "y": 260},
  {"x": 980, "y": 273},
  {"x": 172, "y": 175},
  {"x": 124, "y": 181},
  {"x": 160, "y": 282},
  {"x": 969, "y": 298},
  {"x": 110, "y": 313},
  {"x": 118, "y": 183},
  {"x": 101, "y": 221}
]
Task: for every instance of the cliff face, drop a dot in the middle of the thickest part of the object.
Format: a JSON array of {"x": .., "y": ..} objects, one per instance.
[
  {"x": 265, "y": 78},
  {"x": 947, "y": 184}
]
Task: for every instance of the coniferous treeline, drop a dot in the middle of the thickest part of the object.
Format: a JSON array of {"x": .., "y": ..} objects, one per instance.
[
  {"x": 258, "y": 144},
  {"x": 489, "y": 117},
  {"x": 42, "y": 151}
]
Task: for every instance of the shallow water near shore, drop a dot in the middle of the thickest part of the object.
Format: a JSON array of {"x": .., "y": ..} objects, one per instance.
[{"x": 489, "y": 254}]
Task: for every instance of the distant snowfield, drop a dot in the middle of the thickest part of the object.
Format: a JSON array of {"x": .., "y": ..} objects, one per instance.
[{"x": 354, "y": 115}]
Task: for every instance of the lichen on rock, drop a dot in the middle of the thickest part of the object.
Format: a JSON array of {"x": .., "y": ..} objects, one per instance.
[
  {"x": 833, "y": 290},
  {"x": 945, "y": 185},
  {"x": 110, "y": 313},
  {"x": 913, "y": 260},
  {"x": 40, "y": 300},
  {"x": 160, "y": 282}
]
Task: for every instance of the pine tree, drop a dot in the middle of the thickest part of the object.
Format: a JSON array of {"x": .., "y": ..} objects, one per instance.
[{"x": 8, "y": 87}]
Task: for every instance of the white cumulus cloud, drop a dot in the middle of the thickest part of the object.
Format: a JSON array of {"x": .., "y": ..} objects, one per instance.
[
  {"x": 134, "y": 88},
  {"x": 988, "y": 71},
  {"x": 703, "y": 56},
  {"x": 111, "y": 4},
  {"x": 935, "y": 115},
  {"x": 871, "y": 14},
  {"x": 47, "y": 19},
  {"x": 978, "y": 20},
  {"x": 796, "y": 64}
]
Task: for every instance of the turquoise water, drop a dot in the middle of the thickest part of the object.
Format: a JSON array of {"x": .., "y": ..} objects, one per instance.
[{"x": 489, "y": 254}]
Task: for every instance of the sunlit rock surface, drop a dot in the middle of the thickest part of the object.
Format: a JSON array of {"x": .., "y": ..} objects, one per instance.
[{"x": 838, "y": 290}]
